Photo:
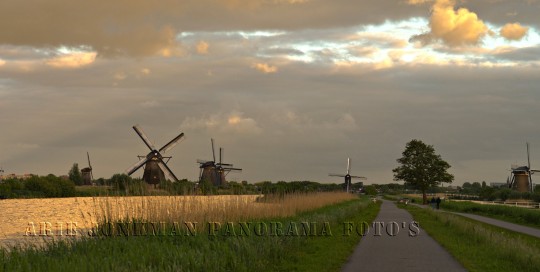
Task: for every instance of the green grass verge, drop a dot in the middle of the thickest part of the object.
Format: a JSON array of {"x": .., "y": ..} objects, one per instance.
[
  {"x": 203, "y": 252},
  {"x": 518, "y": 215},
  {"x": 479, "y": 246}
]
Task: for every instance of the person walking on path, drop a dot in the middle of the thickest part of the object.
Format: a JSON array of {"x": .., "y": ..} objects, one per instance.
[
  {"x": 432, "y": 202},
  {"x": 438, "y": 202}
]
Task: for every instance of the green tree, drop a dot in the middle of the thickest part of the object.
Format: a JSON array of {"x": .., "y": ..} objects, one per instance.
[
  {"x": 370, "y": 190},
  {"x": 121, "y": 182},
  {"x": 75, "y": 174},
  {"x": 421, "y": 167}
]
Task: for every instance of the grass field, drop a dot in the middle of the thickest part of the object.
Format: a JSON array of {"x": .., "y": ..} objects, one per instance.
[
  {"x": 479, "y": 246},
  {"x": 323, "y": 251},
  {"x": 518, "y": 215}
]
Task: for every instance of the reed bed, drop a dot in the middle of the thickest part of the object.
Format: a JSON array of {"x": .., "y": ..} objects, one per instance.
[
  {"x": 205, "y": 253},
  {"x": 210, "y": 208}
]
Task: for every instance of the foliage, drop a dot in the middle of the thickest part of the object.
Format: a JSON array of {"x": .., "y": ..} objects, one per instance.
[
  {"x": 124, "y": 184},
  {"x": 182, "y": 187},
  {"x": 36, "y": 186},
  {"x": 370, "y": 190},
  {"x": 421, "y": 167},
  {"x": 75, "y": 174}
]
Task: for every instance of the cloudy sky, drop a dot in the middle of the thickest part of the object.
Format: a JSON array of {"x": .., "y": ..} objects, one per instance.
[{"x": 289, "y": 88}]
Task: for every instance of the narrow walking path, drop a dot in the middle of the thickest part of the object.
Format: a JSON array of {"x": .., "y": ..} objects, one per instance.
[
  {"x": 503, "y": 224},
  {"x": 409, "y": 249},
  {"x": 495, "y": 222}
]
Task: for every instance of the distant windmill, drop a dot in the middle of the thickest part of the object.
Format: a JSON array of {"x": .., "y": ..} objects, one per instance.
[
  {"x": 521, "y": 178},
  {"x": 86, "y": 172},
  {"x": 348, "y": 176},
  {"x": 155, "y": 167},
  {"x": 215, "y": 172}
]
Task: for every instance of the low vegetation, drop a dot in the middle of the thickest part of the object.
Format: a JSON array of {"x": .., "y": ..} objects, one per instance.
[
  {"x": 479, "y": 246},
  {"x": 35, "y": 186},
  {"x": 323, "y": 251},
  {"x": 518, "y": 215},
  {"x": 123, "y": 185}
]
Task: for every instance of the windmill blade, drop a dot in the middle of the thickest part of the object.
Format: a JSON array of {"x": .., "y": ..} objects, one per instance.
[
  {"x": 512, "y": 181},
  {"x": 220, "y": 153},
  {"x": 213, "y": 152},
  {"x": 336, "y": 175},
  {"x": 348, "y": 165},
  {"x": 358, "y": 177},
  {"x": 528, "y": 157},
  {"x": 232, "y": 169},
  {"x": 166, "y": 170},
  {"x": 171, "y": 144},
  {"x": 136, "y": 166},
  {"x": 141, "y": 134},
  {"x": 89, "y": 165},
  {"x": 534, "y": 171},
  {"x": 530, "y": 183}
]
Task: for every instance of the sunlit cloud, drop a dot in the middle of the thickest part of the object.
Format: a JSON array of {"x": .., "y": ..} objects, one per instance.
[
  {"x": 72, "y": 60},
  {"x": 454, "y": 27},
  {"x": 265, "y": 68},
  {"x": 202, "y": 48},
  {"x": 120, "y": 75},
  {"x": 418, "y": 2},
  {"x": 224, "y": 123},
  {"x": 513, "y": 31},
  {"x": 145, "y": 71}
]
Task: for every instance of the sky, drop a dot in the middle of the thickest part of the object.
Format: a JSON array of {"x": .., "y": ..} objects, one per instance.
[{"x": 289, "y": 88}]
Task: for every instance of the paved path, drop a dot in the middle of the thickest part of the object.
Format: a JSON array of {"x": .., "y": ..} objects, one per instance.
[
  {"x": 511, "y": 226},
  {"x": 499, "y": 223},
  {"x": 401, "y": 252}
]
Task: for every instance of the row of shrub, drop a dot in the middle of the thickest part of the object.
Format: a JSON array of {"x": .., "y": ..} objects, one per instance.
[
  {"x": 36, "y": 186},
  {"x": 121, "y": 184}
]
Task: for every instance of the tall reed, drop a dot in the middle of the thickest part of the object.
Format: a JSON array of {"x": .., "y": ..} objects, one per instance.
[{"x": 210, "y": 208}]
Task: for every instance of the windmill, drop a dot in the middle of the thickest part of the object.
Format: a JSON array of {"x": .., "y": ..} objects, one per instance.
[
  {"x": 214, "y": 172},
  {"x": 521, "y": 178},
  {"x": 348, "y": 176},
  {"x": 155, "y": 165},
  {"x": 86, "y": 172}
]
